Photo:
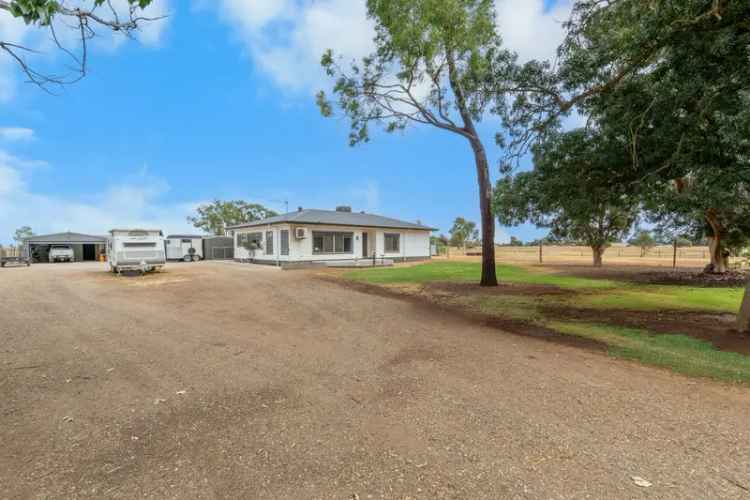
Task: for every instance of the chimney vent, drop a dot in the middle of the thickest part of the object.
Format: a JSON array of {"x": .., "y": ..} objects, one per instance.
[
  {"x": 343, "y": 208},
  {"x": 299, "y": 209}
]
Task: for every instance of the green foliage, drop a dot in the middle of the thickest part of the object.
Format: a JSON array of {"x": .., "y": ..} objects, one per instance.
[
  {"x": 34, "y": 11},
  {"x": 215, "y": 217},
  {"x": 644, "y": 241},
  {"x": 672, "y": 80},
  {"x": 463, "y": 232},
  {"x": 22, "y": 233},
  {"x": 41, "y": 12},
  {"x": 437, "y": 62},
  {"x": 441, "y": 243},
  {"x": 569, "y": 190}
]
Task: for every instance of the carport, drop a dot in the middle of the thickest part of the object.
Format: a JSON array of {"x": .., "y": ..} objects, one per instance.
[{"x": 85, "y": 246}]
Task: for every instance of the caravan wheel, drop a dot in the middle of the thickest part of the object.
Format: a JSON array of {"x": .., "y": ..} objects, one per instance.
[
  {"x": 196, "y": 258},
  {"x": 187, "y": 258}
]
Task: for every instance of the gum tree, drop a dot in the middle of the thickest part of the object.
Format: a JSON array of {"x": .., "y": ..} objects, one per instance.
[
  {"x": 463, "y": 231},
  {"x": 437, "y": 63},
  {"x": 672, "y": 79},
  {"x": 643, "y": 240},
  {"x": 80, "y": 22},
  {"x": 215, "y": 217},
  {"x": 569, "y": 191}
]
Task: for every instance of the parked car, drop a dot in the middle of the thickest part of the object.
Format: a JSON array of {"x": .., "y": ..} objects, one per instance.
[{"x": 61, "y": 253}]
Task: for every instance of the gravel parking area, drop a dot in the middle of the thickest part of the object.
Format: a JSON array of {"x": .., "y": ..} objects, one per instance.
[{"x": 221, "y": 380}]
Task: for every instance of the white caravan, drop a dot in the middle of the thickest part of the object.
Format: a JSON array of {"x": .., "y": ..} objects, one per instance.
[
  {"x": 135, "y": 250},
  {"x": 185, "y": 247}
]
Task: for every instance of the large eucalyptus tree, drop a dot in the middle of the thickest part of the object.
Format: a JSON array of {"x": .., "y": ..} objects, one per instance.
[
  {"x": 672, "y": 79},
  {"x": 570, "y": 191},
  {"x": 438, "y": 63}
]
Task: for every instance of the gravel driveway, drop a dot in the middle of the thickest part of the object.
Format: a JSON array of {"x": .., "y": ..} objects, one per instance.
[{"x": 221, "y": 380}]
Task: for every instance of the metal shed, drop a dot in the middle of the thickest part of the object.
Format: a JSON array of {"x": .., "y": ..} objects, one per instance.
[
  {"x": 218, "y": 248},
  {"x": 85, "y": 246}
]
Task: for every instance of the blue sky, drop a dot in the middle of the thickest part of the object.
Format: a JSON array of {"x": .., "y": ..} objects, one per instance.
[{"x": 216, "y": 102}]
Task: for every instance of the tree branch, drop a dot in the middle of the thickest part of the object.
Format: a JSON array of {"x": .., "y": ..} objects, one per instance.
[{"x": 84, "y": 20}]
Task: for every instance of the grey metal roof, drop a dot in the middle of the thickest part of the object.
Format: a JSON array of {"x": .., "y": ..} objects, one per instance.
[
  {"x": 186, "y": 236},
  {"x": 335, "y": 218},
  {"x": 69, "y": 238}
]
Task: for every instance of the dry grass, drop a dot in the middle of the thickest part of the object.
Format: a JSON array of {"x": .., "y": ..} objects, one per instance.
[{"x": 661, "y": 256}]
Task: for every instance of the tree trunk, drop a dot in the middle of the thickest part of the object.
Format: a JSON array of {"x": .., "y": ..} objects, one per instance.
[
  {"x": 598, "y": 252},
  {"x": 719, "y": 262},
  {"x": 743, "y": 318},
  {"x": 489, "y": 274}
]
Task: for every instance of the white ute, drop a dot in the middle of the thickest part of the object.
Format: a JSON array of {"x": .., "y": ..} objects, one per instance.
[
  {"x": 61, "y": 253},
  {"x": 136, "y": 250}
]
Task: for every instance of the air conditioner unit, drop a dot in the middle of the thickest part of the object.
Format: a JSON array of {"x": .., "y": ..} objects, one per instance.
[{"x": 300, "y": 233}]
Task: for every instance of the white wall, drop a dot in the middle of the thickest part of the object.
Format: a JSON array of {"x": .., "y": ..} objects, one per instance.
[{"x": 413, "y": 244}]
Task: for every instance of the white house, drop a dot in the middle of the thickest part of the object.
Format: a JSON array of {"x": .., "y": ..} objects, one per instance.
[{"x": 332, "y": 237}]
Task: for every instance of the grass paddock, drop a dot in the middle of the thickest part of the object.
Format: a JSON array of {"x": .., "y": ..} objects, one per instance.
[{"x": 682, "y": 350}]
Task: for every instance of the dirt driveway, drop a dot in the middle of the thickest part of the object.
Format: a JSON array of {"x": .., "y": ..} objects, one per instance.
[{"x": 220, "y": 380}]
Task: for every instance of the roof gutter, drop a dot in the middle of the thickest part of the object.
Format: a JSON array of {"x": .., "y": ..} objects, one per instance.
[{"x": 243, "y": 226}]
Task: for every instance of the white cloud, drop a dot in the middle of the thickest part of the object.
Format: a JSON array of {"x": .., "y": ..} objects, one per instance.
[
  {"x": 16, "y": 134},
  {"x": 286, "y": 38},
  {"x": 529, "y": 29},
  {"x": 139, "y": 201}
]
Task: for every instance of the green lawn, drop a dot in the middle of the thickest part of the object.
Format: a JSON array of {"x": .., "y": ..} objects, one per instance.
[
  {"x": 654, "y": 298},
  {"x": 595, "y": 293},
  {"x": 471, "y": 271},
  {"x": 681, "y": 353}
]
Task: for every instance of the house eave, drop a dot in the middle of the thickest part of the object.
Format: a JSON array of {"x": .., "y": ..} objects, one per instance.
[{"x": 292, "y": 223}]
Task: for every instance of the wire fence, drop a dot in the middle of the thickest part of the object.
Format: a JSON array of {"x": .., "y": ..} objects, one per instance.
[
  {"x": 10, "y": 251},
  {"x": 664, "y": 255}
]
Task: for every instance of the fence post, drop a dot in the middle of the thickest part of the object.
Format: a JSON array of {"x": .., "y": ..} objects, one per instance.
[
  {"x": 674, "y": 257},
  {"x": 541, "y": 259}
]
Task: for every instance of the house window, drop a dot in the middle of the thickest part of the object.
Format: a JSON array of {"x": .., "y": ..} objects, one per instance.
[
  {"x": 251, "y": 241},
  {"x": 392, "y": 243},
  {"x": 284, "y": 242},
  {"x": 269, "y": 242},
  {"x": 332, "y": 243},
  {"x": 136, "y": 244}
]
